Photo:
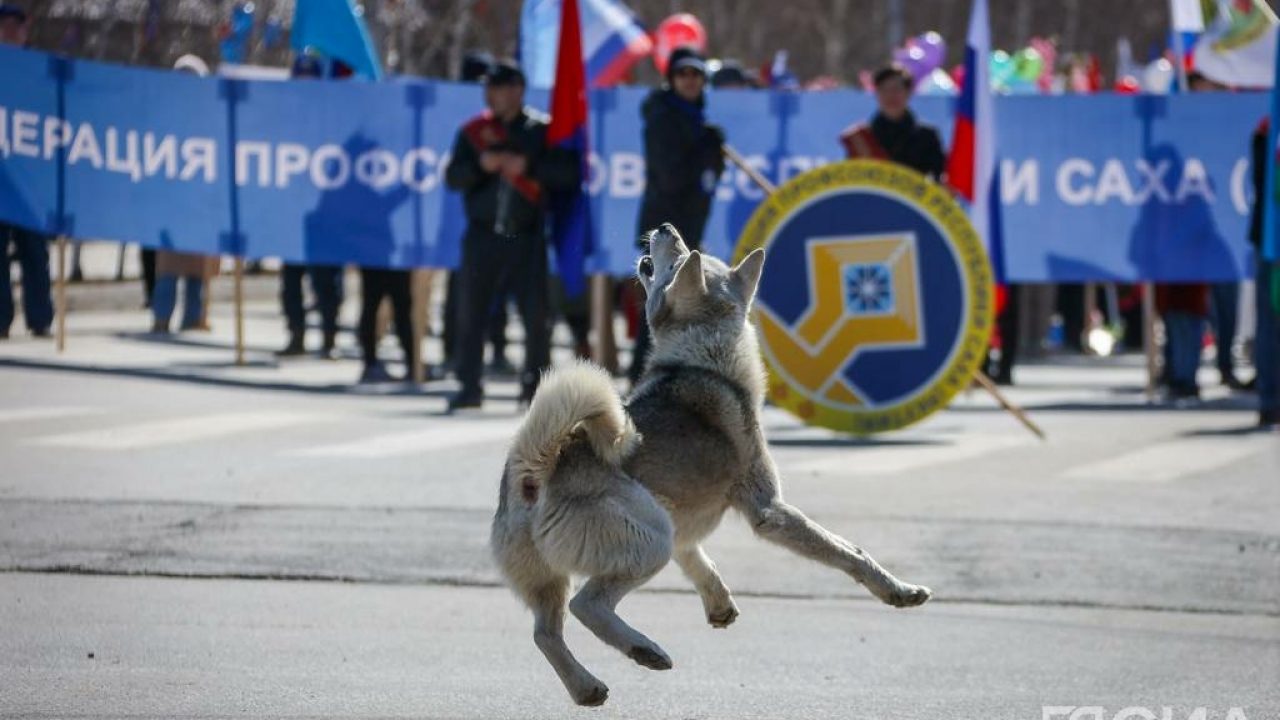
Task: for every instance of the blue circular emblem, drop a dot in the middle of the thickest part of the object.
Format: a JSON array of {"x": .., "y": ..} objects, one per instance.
[{"x": 875, "y": 306}]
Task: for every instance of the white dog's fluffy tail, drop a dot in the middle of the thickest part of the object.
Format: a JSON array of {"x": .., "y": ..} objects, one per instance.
[{"x": 580, "y": 395}]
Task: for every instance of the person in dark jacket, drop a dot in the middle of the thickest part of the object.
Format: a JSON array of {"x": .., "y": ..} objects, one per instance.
[
  {"x": 31, "y": 248},
  {"x": 326, "y": 280},
  {"x": 504, "y": 169},
  {"x": 683, "y": 163},
  {"x": 1266, "y": 342},
  {"x": 893, "y": 134}
]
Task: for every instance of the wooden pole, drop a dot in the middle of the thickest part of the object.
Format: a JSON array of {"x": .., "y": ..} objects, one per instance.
[
  {"x": 605, "y": 349},
  {"x": 736, "y": 158},
  {"x": 60, "y": 295},
  {"x": 419, "y": 296},
  {"x": 1149, "y": 337},
  {"x": 238, "y": 277},
  {"x": 1014, "y": 410}
]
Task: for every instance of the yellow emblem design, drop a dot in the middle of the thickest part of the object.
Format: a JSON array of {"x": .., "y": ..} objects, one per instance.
[{"x": 865, "y": 293}]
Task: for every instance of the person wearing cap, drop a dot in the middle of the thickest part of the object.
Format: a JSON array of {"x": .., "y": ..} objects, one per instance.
[
  {"x": 683, "y": 163},
  {"x": 504, "y": 169},
  {"x": 326, "y": 280},
  {"x": 31, "y": 248}
]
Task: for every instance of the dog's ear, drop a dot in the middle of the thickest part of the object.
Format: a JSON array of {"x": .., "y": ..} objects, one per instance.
[
  {"x": 689, "y": 281},
  {"x": 745, "y": 278}
]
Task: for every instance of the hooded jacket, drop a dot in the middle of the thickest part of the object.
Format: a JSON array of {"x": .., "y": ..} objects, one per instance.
[{"x": 683, "y": 164}]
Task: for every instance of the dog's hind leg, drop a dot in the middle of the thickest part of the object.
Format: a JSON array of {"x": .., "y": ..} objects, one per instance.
[
  {"x": 594, "y": 606},
  {"x": 716, "y": 599},
  {"x": 547, "y": 603},
  {"x": 781, "y": 523}
]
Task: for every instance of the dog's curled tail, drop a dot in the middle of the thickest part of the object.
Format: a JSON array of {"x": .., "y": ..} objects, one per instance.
[{"x": 577, "y": 396}]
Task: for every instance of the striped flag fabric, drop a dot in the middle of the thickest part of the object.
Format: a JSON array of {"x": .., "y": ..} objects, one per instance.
[
  {"x": 571, "y": 211},
  {"x": 971, "y": 165},
  {"x": 612, "y": 41},
  {"x": 1238, "y": 44}
]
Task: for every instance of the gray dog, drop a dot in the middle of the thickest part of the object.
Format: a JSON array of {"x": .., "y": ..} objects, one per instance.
[{"x": 582, "y": 494}]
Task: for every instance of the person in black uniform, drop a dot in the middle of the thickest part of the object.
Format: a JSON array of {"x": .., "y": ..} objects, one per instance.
[
  {"x": 683, "y": 163},
  {"x": 893, "y": 134},
  {"x": 504, "y": 169}
]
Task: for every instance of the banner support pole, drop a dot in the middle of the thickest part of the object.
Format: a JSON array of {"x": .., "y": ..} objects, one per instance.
[
  {"x": 419, "y": 295},
  {"x": 605, "y": 349},
  {"x": 987, "y": 384},
  {"x": 238, "y": 277},
  {"x": 60, "y": 294}
]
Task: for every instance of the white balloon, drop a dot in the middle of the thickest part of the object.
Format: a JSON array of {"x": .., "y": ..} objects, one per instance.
[
  {"x": 1157, "y": 77},
  {"x": 937, "y": 82}
]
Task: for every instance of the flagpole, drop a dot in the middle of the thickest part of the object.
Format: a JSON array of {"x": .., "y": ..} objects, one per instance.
[{"x": 987, "y": 383}]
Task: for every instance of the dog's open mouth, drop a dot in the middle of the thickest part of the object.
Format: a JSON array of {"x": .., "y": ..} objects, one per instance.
[{"x": 645, "y": 267}]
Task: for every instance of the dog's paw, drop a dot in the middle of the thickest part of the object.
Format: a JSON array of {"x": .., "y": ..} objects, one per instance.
[
  {"x": 909, "y": 596},
  {"x": 592, "y": 695},
  {"x": 723, "y": 617},
  {"x": 651, "y": 657}
]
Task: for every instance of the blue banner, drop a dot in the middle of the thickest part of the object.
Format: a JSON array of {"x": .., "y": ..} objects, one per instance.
[{"x": 1120, "y": 188}]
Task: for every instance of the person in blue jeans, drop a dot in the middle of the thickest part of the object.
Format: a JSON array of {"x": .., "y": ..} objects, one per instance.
[
  {"x": 164, "y": 301},
  {"x": 32, "y": 251}
]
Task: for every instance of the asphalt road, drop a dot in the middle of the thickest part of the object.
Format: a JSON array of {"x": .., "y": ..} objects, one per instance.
[{"x": 270, "y": 540}]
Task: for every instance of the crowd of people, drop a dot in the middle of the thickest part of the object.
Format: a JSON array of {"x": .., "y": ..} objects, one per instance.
[{"x": 503, "y": 167}]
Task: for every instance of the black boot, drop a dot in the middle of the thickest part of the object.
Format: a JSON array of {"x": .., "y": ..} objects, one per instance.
[
  {"x": 329, "y": 350},
  {"x": 294, "y": 348}
]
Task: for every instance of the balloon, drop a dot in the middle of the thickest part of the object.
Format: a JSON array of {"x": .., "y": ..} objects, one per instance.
[
  {"x": 1128, "y": 85},
  {"x": 1049, "y": 53},
  {"x": 1157, "y": 77},
  {"x": 1001, "y": 68},
  {"x": 934, "y": 49},
  {"x": 937, "y": 82},
  {"x": 677, "y": 31},
  {"x": 912, "y": 58},
  {"x": 865, "y": 81},
  {"x": 1028, "y": 64}
]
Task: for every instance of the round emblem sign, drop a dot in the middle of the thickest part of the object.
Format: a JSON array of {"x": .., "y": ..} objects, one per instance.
[{"x": 875, "y": 306}]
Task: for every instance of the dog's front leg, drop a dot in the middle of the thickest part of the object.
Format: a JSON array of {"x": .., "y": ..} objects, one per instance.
[
  {"x": 716, "y": 599},
  {"x": 760, "y": 500}
]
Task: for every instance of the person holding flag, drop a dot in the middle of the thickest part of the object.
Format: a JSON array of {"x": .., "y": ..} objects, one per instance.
[{"x": 505, "y": 169}]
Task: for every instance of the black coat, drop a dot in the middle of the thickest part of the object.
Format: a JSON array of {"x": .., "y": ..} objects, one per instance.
[
  {"x": 909, "y": 143},
  {"x": 1258, "y": 146},
  {"x": 552, "y": 169},
  {"x": 683, "y": 163}
]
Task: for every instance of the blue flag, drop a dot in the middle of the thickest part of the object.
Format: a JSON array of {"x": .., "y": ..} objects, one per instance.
[{"x": 336, "y": 28}]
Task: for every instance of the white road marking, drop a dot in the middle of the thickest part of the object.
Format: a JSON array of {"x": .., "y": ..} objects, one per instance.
[
  {"x": 894, "y": 459},
  {"x": 1172, "y": 459},
  {"x": 46, "y": 413},
  {"x": 176, "y": 430},
  {"x": 414, "y": 442}
]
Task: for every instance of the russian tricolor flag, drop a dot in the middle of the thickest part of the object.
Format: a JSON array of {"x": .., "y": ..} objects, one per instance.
[
  {"x": 612, "y": 41},
  {"x": 571, "y": 211},
  {"x": 971, "y": 167}
]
